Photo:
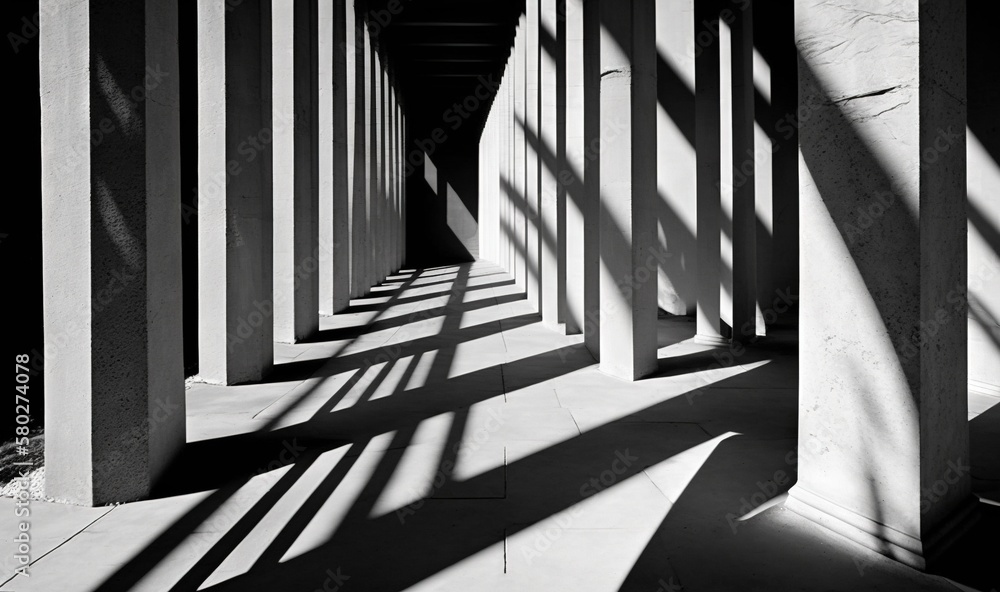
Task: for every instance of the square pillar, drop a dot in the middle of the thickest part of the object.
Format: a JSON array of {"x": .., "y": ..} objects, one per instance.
[
  {"x": 531, "y": 130},
  {"x": 677, "y": 201},
  {"x": 628, "y": 188},
  {"x": 235, "y": 215},
  {"x": 591, "y": 185},
  {"x": 571, "y": 177},
  {"x": 708, "y": 151},
  {"x": 883, "y": 425},
  {"x": 740, "y": 177},
  {"x": 295, "y": 54},
  {"x": 334, "y": 163},
  {"x": 519, "y": 165},
  {"x": 392, "y": 168},
  {"x": 111, "y": 236},
  {"x": 553, "y": 284},
  {"x": 360, "y": 176},
  {"x": 376, "y": 191}
]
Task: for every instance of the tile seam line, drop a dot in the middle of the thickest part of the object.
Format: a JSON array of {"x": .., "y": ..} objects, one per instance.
[{"x": 54, "y": 549}]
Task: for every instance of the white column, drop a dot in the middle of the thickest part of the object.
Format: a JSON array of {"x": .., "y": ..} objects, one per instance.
[
  {"x": 235, "y": 216},
  {"x": 883, "y": 426},
  {"x": 628, "y": 189},
  {"x": 531, "y": 130},
  {"x": 334, "y": 187},
  {"x": 111, "y": 236},
  {"x": 362, "y": 165},
  {"x": 763, "y": 180},
  {"x": 377, "y": 194},
  {"x": 744, "y": 316},
  {"x": 677, "y": 203},
  {"x": 296, "y": 192},
  {"x": 572, "y": 178},
  {"x": 520, "y": 169},
  {"x": 553, "y": 284},
  {"x": 708, "y": 156},
  {"x": 591, "y": 188}
]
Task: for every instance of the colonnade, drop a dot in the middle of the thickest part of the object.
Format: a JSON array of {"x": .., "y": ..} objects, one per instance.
[
  {"x": 300, "y": 207},
  {"x": 636, "y": 159},
  {"x": 594, "y": 133}
]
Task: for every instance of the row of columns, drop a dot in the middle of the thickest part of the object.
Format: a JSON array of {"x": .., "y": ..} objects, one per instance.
[
  {"x": 605, "y": 147},
  {"x": 301, "y": 205},
  {"x": 883, "y": 380}
]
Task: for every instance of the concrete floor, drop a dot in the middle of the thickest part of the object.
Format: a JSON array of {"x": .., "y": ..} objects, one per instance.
[{"x": 438, "y": 438}]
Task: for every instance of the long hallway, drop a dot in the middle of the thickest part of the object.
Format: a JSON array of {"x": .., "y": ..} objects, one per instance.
[{"x": 436, "y": 436}]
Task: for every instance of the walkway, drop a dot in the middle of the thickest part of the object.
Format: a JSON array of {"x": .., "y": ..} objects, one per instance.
[{"x": 437, "y": 437}]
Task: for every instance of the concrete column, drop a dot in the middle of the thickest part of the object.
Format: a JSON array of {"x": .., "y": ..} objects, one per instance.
[
  {"x": 383, "y": 219},
  {"x": 296, "y": 169},
  {"x": 334, "y": 188},
  {"x": 553, "y": 284},
  {"x": 512, "y": 196},
  {"x": 883, "y": 426},
  {"x": 763, "y": 180},
  {"x": 744, "y": 318},
  {"x": 520, "y": 170},
  {"x": 628, "y": 188},
  {"x": 386, "y": 220},
  {"x": 351, "y": 58},
  {"x": 393, "y": 235},
  {"x": 403, "y": 139},
  {"x": 401, "y": 189},
  {"x": 377, "y": 188},
  {"x": 531, "y": 130},
  {"x": 677, "y": 202},
  {"x": 591, "y": 187},
  {"x": 500, "y": 117},
  {"x": 362, "y": 157},
  {"x": 708, "y": 155},
  {"x": 571, "y": 177},
  {"x": 235, "y": 216},
  {"x": 111, "y": 236}
]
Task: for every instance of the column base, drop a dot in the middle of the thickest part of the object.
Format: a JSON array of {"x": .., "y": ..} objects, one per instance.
[
  {"x": 984, "y": 388},
  {"x": 879, "y": 537},
  {"x": 559, "y": 328},
  {"x": 713, "y": 340}
]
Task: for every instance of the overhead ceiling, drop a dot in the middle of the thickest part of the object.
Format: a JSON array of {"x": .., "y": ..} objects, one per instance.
[{"x": 439, "y": 49}]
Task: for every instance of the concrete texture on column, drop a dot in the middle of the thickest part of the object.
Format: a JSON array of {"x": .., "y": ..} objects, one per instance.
[
  {"x": 883, "y": 426},
  {"x": 400, "y": 180},
  {"x": 591, "y": 186},
  {"x": 763, "y": 180},
  {"x": 677, "y": 202},
  {"x": 519, "y": 165},
  {"x": 740, "y": 177},
  {"x": 334, "y": 188},
  {"x": 376, "y": 180},
  {"x": 532, "y": 209},
  {"x": 360, "y": 176},
  {"x": 553, "y": 284},
  {"x": 571, "y": 178},
  {"x": 390, "y": 221},
  {"x": 512, "y": 197},
  {"x": 401, "y": 188},
  {"x": 235, "y": 223},
  {"x": 500, "y": 117},
  {"x": 111, "y": 238},
  {"x": 296, "y": 170},
  {"x": 628, "y": 189},
  {"x": 384, "y": 228},
  {"x": 708, "y": 155}
]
